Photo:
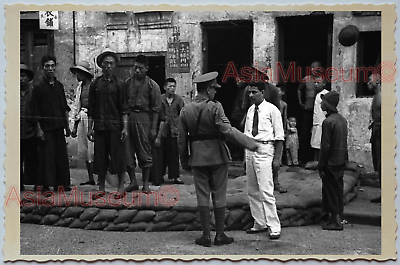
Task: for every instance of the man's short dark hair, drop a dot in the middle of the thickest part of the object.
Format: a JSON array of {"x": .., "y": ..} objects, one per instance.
[
  {"x": 169, "y": 80},
  {"x": 260, "y": 85},
  {"x": 47, "y": 58},
  {"x": 142, "y": 59}
]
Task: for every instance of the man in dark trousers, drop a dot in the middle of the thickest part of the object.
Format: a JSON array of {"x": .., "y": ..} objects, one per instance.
[
  {"x": 51, "y": 111},
  {"x": 332, "y": 161},
  {"x": 108, "y": 110},
  {"x": 144, "y": 99},
  {"x": 374, "y": 83},
  {"x": 28, "y": 142},
  {"x": 203, "y": 126},
  {"x": 166, "y": 143},
  {"x": 311, "y": 85}
]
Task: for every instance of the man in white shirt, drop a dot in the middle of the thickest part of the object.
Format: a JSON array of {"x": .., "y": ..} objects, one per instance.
[
  {"x": 318, "y": 118},
  {"x": 264, "y": 124}
]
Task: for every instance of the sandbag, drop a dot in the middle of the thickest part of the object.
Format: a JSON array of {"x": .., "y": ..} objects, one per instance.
[
  {"x": 78, "y": 223},
  {"x": 164, "y": 216},
  {"x": 178, "y": 227},
  {"x": 311, "y": 165},
  {"x": 300, "y": 214},
  {"x": 64, "y": 222},
  {"x": 96, "y": 225},
  {"x": 32, "y": 218},
  {"x": 134, "y": 227},
  {"x": 353, "y": 166},
  {"x": 42, "y": 210},
  {"x": 312, "y": 213},
  {"x": 72, "y": 212},
  {"x": 57, "y": 210},
  {"x": 89, "y": 214},
  {"x": 117, "y": 227},
  {"x": 105, "y": 215},
  {"x": 181, "y": 218},
  {"x": 28, "y": 209},
  {"x": 194, "y": 226},
  {"x": 286, "y": 213},
  {"x": 247, "y": 217},
  {"x": 235, "y": 216},
  {"x": 144, "y": 216},
  {"x": 49, "y": 219},
  {"x": 160, "y": 226},
  {"x": 125, "y": 216}
]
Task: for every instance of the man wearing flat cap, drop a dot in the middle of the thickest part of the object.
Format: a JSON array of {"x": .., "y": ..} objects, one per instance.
[
  {"x": 28, "y": 141},
  {"x": 80, "y": 117},
  {"x": 203, "y": 127},
  {"x": 108, "y": 110},
  {"x": 271, "y": 94},
  {"x": 332, "y": 161}
]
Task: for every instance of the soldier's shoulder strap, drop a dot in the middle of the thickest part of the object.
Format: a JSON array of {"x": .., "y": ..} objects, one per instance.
[{"x": 196, "y": 129}]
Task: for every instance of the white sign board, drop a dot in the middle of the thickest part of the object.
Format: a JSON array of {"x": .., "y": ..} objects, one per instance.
[{"x": 48, "y": 20}]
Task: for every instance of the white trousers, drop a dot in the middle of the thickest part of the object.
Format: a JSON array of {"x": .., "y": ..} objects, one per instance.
[
  {"x": 85, "y": 147},
  {"x": 260, "y": 188}
]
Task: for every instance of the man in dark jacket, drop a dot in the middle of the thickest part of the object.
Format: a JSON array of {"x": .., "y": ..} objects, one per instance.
[
  {"x": 28, "y": 142},
  {"x": 203, "y": 124},
  {"x": 374, "y": 83},
  {"x": 108, "y": 111},
  {"x": 51, "y": 111},
  {"x": 332, "y": 160}
]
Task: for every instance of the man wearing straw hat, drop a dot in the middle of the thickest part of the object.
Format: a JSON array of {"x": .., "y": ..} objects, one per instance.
[
  {"x": 80, "y": 117},
  {"x": 28, "y": 142},
  {"x": 108, "y": 110},
  {"x": 203, "y": 125}
]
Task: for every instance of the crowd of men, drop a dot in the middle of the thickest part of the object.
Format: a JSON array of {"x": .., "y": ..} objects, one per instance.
[{"x": 120, "y": 122}]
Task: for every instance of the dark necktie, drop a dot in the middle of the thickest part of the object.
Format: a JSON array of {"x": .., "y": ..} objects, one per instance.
[{"x": 254, "y": 131}]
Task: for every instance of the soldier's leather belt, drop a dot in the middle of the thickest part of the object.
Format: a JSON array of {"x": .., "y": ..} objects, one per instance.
[{"x": 204, "y": 137}]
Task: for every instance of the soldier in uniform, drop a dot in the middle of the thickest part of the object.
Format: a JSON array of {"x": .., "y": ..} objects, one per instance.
[{"x": 203, "y": 125}]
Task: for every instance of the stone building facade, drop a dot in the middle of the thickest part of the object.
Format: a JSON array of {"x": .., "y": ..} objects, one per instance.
[{"x": 226, "y": 41}]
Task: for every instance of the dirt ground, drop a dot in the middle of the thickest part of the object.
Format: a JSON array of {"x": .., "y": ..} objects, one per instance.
[{"x": 311, "y": 240}]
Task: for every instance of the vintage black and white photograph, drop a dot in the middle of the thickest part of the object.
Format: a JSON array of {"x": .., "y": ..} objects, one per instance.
[{"x": 190, "y": 133}]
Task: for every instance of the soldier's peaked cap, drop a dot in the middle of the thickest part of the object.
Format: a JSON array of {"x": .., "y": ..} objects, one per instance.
[{"x": 207, "y": 80}]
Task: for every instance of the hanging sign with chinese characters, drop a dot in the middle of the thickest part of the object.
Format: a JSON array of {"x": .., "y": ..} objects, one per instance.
[
  {"x": 179, "y": 57},
  {"x": 48, "y": 20}
]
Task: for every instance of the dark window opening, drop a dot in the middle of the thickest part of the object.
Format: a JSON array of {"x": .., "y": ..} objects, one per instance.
[{"x": 368, "y": 60}]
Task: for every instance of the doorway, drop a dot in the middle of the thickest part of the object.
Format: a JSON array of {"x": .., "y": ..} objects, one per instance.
[
  {"x": 227, "y": 43},
  {"x": 301, "y": 41}
]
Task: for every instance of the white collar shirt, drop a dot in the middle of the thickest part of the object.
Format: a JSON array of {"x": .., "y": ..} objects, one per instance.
[{"x": 270, "y": 126}]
